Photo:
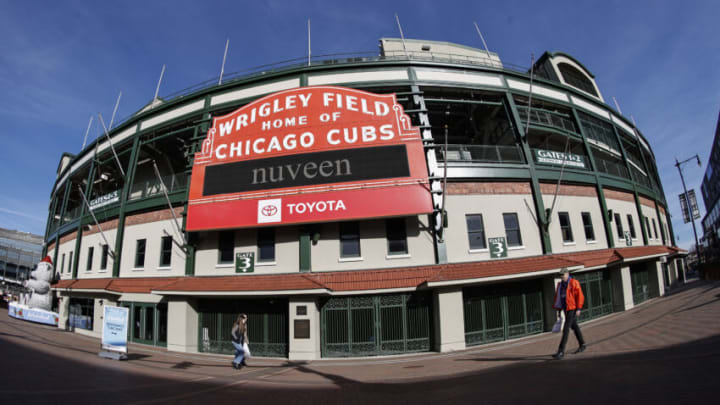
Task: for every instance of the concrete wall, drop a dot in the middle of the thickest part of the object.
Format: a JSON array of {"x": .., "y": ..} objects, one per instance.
[
  {"x": 624, "y": 208},
  {"x": 575, "y": 206},
  {"x": 64, "y": 249},
  {"x": 96, "y": 241},
  {"x": 182, "y": 328},
  {"x": 152, "y": 232},
  {"x": 621, "y": 288},
  {"x": 304, "y": 349},
  {"x": 653, "y": 239},
  {"x": 492, "y": 208},
  {"x": 449, "y": 319},
  {"x": 287, "y": 256},
  {"x": 374, "y": 246}
]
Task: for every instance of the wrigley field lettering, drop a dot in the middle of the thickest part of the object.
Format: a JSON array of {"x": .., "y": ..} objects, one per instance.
[{"x": 306, "y": 155}]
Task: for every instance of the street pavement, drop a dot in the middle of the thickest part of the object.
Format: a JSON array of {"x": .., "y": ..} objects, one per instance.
[{"x": 664, "y": 351}]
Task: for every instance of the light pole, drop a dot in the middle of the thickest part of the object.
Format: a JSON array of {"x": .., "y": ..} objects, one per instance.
[{"x": 687, "y": 199}]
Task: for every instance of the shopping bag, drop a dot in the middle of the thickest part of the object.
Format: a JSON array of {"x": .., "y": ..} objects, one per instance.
[
  {"x": 246, "y": 349},
  {"x": 558, "y": 325}
]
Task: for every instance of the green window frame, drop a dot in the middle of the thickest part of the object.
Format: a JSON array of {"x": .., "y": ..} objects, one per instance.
[
  {"x": 588, "y": 226},
  {"x": 266, "y": 244},
  {"x": 91, "y": 250},
  {"x": 226, "y": 247},
  {"x": 140, "y": 246},
  {"x": 565, "y": 227},
  {"x": 631, "y": 226},
  {"x": 396, "y": 236},
  {"x": 350, "y": 239},
  {"x": 619, "y": 227},
  {"x": 512, "y": 229},
  {"x": 166, "y": 251},
  {"x": 104, "y": 257},
  {"x": 476, "y": 231}
]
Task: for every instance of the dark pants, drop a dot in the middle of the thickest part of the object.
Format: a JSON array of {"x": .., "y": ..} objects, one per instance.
[{"x": 570, "y": 323}]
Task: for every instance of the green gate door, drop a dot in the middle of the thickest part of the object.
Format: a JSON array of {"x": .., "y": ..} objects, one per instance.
[
  {"x": 376, "y": 325},
  {"x": 500, "y": 312},
  {"x": 640, "y": 284},
  {"x": 597, "y": 288},
  {"x": 267, "y": 326}
]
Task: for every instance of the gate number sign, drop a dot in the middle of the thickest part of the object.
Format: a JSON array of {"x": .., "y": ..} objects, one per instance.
[
  {"x": 498, "y": 247},
  {"x": 245, "y": 262}
]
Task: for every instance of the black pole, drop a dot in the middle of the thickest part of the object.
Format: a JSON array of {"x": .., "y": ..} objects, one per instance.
[{"x": 687, "y": 204}]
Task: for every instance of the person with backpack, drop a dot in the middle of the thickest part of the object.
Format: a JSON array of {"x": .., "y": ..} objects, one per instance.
[
  {"x": 239, "y": 341},
  {"x": 569, "y": 298}
]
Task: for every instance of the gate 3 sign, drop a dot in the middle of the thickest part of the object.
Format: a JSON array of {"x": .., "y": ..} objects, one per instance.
[{"x": 305, "y": 155}]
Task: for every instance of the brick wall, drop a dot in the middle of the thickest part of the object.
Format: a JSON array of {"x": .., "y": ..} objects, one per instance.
[
  {"x": 152, "y": 216},
  {"x": 647, "y": 202},
  {"x": 488, "y": 188},
  {"x": 618, "y": 195},
  {"x": 68, "y": 237},
  {"x": 106, "y": 226},
  {"x": 569, "y": 190}
]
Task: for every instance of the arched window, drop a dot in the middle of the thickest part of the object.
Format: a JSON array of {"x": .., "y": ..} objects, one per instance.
[{"x": 576, "y": 78}]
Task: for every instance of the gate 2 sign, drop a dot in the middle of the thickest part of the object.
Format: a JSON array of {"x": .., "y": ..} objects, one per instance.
[{"x": 311, "y": 154}]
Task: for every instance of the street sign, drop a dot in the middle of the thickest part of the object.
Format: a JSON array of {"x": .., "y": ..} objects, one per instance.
[
  {"x": 245, "y": 262},
  {"x": 693, "y": 206},
  {"x": 498, "y": 247},
  {"x": 628, "y": 239}
]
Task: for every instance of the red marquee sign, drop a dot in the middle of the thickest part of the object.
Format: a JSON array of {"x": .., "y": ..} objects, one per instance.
[{"x": 311, "y": 154}]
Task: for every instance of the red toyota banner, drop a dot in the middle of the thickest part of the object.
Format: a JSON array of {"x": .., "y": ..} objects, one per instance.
[{"x": 312, "y": 154}]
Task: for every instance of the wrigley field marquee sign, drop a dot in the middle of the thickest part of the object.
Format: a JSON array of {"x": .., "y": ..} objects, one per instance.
[{"x": 311, "y": 154}]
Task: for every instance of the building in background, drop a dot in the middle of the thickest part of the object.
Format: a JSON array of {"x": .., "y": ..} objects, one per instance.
[
  {"x": 19, "y": 253},
  {"x": 422, "y": 199},
  {"x": 711, "y": 197}
]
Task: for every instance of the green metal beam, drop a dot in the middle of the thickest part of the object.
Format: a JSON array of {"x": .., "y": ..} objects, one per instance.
[
  {"x": 124, "y": 195},
  {"x": 542, "y": 219}
]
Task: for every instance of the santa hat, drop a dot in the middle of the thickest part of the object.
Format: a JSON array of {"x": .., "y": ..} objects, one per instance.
[{"x": 47, "y": 259}]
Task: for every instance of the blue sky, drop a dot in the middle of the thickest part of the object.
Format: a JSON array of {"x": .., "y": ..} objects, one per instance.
[{"x": 61, "y": 62}]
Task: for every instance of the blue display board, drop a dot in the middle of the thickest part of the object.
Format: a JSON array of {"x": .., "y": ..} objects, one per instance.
[{"x": 115, "y": 328}]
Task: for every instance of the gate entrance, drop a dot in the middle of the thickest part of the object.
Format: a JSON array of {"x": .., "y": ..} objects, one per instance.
[
  {"x": 597, "y": 288},
  {"x": 504, "y": 311},
  {"x": 640, "y": 280},
  {"x": 376, "y": 325}
]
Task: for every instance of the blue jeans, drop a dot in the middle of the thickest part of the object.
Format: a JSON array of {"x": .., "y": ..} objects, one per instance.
[{"x": 239, "y": 353}]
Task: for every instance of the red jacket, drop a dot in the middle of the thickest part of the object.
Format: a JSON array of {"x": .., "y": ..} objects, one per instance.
[{"x": 574, "y": 297}]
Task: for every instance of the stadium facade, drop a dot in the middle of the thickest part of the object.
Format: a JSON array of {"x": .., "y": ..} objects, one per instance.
[{"x": 420, "y": 200}]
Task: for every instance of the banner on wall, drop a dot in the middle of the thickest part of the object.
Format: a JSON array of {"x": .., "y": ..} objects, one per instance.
[
  {"x": 311, "y": 154},
  {"x": 115, "y": 328}
]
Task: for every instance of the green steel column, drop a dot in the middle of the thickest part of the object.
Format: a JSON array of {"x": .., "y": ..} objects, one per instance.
[
  {"x": 638, "y": 206},
  {"x": 55, "y": 253},
  {"x": 124, "y": 195},
  {"x": 78, "y": 236},
  {"x": 543, "y": 221},
  {"x": 51, "y": 212},
  {"x": 598, "y": 182},
  {"x": 662, "y": 230}
]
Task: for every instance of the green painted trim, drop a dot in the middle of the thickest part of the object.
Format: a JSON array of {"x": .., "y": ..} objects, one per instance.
[
  {"x": 603, "y": 206},
  {"x": 638, "y": 206},
  {"x": 543, "y": 221},
  {"x": 305, "y": 251},
  {"x": 558, "y": 53},
  {"x": 120, "y": 232}
]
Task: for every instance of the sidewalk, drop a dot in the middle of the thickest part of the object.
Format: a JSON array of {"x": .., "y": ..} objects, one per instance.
[{"x": 688, "y": 314}]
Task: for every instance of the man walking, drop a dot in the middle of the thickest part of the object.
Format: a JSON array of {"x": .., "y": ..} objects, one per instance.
[{"x": 569, "y": 298}]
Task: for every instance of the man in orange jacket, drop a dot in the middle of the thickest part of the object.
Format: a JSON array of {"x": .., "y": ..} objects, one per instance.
[{"x": 570, "y": 299}]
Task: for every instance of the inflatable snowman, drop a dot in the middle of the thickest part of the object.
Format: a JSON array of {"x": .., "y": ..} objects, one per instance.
[{"x": 39, "y": 285}]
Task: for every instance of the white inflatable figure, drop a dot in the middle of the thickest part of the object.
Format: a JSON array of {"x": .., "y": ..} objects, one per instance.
[{"x": 40, "y": 287}]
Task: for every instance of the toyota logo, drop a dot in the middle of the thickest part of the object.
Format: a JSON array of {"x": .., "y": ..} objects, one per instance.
[{"x": 269, "y": 210}]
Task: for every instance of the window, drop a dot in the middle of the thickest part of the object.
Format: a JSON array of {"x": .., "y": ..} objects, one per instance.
[
  {"x": 165, "y": 251},
  {"x": 512, "y": 229},
  {"x": 104, "y": 257},
  {"x": 396, "y": 235},
  {"x": 476, "y": 231},
  {"x": 82, "y": 311},
  {"x": 140, "y": 253},
  {"x": 662, "y": 229},
  {"x": 266, "y": 244},
  {"x": 631, "y": 225},
  {"x": 565, "y": 227},
  {"x": 647, "y": 226},
  {"x": 62, "y": 266},
  {"x": 349, "y": 239},
  {"x": 654, "y": 228},
  {"x": 226, "y": 247},
  {"x": 70, "y": 263},
  {"x": 618, "y": 226},
  {"x": 91, "y": 250},
  {"x": 587, "y": 224},
  {"x": 576, "y": 78}
]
